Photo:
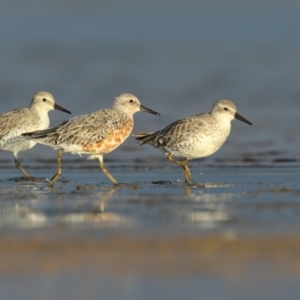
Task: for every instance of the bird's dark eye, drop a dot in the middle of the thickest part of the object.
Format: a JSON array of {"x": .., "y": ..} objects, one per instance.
[
  {"x": 44, "y": 99},
  {"x": 131, "y": 101},
  {"x": 225, "y": 108}
]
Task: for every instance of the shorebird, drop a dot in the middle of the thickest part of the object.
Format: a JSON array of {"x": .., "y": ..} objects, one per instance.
[
  {"x": 15, "y": 122},
  {"x": 194, "y": 137},
  {"x": 94, "y": 134}
]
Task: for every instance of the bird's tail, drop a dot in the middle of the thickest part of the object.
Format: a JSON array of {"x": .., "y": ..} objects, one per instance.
[
  {"x": 42, "y": 134},
  {"x": 39, "y": 134},
  {"x": 29, "y": 134},
  {"x": 143, "y": 137}
]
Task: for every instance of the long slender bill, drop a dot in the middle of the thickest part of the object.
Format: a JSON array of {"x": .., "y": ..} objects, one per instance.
[
  {"x": 148, "y": 110},
  {"x": 239, "y": 117},
  {"x": 57, "y": 107}
]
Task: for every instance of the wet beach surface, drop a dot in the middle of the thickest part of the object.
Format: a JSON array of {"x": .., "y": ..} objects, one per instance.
[{"x": 233, "y": 232}]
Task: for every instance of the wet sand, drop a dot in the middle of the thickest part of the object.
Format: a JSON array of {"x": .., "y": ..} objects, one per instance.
[{"x": 183, "y": 256}]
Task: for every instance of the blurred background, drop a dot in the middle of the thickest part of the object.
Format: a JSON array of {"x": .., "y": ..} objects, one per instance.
[{"x": 178, "y": 57}]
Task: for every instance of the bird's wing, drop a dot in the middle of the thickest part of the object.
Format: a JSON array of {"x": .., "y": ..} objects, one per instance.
[
  {"x": 14, "y": 122},
  {"x": 176, "y": 132},
  {"x": 81, "y": 130}
]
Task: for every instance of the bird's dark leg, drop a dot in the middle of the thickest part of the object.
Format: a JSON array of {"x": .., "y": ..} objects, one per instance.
[
  {"x": 186, "y": 171},
  {"x": 58, "y": 171},
  {"x": 105, "y": 171},
  {"x": 18, "y": 165}
]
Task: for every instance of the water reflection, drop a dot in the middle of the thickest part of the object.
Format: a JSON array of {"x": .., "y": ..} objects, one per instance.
[
  {"x": 208, "y": 219},
  {"x": 86, "y": 208},
  {"x": 198, "y": 216},
  {"x": 22, "y": 217},
  {"x": 104, "y": 197},
  {"x": 199, "y": 185},
  {"x": 97, "y": 214}
]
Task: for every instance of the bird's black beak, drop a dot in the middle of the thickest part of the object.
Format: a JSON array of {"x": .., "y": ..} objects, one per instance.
[
  {"x": 239, "y": 117},
  {"x": 57, "y": 107},
  {"x": 148, "y": 110}
]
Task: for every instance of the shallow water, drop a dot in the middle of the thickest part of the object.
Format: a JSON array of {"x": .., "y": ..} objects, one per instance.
[
  {"x": 244, "y": 199},
  {"x": 233, "y": 232}
]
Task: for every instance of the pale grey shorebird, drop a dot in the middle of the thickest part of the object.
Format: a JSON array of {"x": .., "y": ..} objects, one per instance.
[
  {"x": 194, "y": 137},
  {"x": 94, "y": 134},
  {"x": 15, "y": 122}
]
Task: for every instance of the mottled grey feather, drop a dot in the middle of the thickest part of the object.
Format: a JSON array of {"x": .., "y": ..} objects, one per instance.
[
  {"x": 175, "y": 133},
  {"x": 82, "y": 130},
  {"x": 16, "y": 120}
]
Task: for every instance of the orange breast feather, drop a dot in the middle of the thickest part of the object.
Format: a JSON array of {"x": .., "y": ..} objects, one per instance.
[{"x": 113, "y": 139}]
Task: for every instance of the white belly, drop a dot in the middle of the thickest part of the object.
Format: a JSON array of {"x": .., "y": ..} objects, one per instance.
[
  {"x": 198, "y": 146},
  {"x": 16, "y": 145}
]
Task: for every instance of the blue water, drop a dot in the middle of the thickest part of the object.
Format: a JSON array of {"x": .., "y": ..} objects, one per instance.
[
  {"x": 68, "y": 286},
  {"x": 246, "y": 200},
  {"x": 178, "y": 58}
]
